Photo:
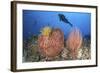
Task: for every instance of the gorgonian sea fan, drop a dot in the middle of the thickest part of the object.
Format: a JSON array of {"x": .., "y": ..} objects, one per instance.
[
  {"x": 74, "y": 42},
  {"x": 51, "y": 45}
]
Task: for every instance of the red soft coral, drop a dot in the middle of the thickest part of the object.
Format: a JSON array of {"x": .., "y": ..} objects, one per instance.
[
  {"x": 74, "y": 42},
  {"x": 51, "y": 46}
]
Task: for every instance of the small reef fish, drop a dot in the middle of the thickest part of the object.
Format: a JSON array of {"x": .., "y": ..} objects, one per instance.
[{"x": 64, "y": 19}]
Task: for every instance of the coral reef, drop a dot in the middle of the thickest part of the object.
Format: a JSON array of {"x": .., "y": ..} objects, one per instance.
[
  {"x": 49, "y": 46},
  {"x": 30, "y": 51},
  {"x": 85, "y": 51}
]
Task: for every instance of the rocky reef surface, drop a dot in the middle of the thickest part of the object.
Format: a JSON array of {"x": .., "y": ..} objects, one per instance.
[{"x": 31, "y": 52}]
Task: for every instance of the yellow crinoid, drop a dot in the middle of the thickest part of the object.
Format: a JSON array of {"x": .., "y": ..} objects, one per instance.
[{"x": 46, "y": 31}]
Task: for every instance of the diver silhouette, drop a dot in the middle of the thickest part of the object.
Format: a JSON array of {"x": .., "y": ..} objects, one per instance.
[{"x": 64, "y": 19}]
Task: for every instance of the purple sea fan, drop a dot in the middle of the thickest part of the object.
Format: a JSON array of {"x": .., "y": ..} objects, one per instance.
[{"x": 74, "y": 42}]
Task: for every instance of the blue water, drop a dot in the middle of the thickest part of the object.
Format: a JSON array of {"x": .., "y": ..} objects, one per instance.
[{"x": 34, "y": 21}]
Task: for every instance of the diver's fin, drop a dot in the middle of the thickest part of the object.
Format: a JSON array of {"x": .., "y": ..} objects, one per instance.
[{"x": 71, "y": 24}]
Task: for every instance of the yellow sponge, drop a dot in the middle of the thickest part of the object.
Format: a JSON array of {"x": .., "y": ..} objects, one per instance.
[{"x": 46, "y": 31}]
